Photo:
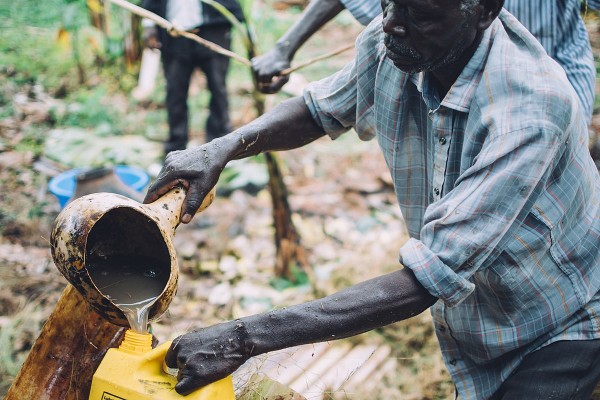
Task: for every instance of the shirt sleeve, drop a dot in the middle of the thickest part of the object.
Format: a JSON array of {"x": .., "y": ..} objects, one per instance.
[
  {"x": 465, "y": 230},
  {"x": 593, "y": 4},
  {"x": 344, "y": 100},
  {"x": 364, "y": 11}
]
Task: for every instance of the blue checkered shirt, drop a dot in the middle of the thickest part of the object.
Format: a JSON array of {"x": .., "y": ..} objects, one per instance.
[
  {"x": 497, "y": 189},
  {"x": 557, "y": 24}
]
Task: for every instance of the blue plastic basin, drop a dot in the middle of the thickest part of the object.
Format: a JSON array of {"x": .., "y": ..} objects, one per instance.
[{"x": 63, "y": 185}]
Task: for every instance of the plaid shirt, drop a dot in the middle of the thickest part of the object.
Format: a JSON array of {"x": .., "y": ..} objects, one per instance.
[
  {"x": 364, "y": 11},
  {"x": 497, "y": 189},
  {"x": 557, "y": 24}
]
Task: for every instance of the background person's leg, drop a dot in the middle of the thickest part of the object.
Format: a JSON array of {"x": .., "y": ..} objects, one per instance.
[
  {"x": 215, "y": 67},
  {"x": 560, "y": 371},
  {"x": 178, "y": 72}
]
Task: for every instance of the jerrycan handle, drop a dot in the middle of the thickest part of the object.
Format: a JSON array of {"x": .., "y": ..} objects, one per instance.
[
  {"x": 168, "y": 207},
  {"x": 219, "y": 390},
  {"x": 168, "y": 370}
]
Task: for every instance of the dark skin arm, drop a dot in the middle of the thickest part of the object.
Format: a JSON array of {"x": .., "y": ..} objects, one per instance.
[
  {"x": 287, "y": 126},
  {"x": 212, "y": 353},
  {"x": 268, "y": 66}
]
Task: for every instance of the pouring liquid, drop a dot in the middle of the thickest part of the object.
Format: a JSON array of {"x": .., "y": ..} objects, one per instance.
[{"x": 132, "y": 283}]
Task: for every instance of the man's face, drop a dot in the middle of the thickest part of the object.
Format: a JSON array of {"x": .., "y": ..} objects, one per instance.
[{"x": 427, "y": 35}]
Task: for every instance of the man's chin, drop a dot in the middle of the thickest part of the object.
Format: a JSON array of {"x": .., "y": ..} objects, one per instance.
[
  {"x": 405, "y": 64},
  {"x": 409, "y": 69}
]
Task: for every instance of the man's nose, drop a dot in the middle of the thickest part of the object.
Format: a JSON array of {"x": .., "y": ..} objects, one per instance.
[{"x": 393, "y": 24}]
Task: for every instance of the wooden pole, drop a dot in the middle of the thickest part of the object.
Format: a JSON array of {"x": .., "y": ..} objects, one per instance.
[
  {"x": 67, "y": 352},
  {"x": 287, "y": 238}
]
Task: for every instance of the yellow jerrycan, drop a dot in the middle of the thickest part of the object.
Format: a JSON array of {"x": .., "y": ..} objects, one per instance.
[{"x": 134, "y": 371}]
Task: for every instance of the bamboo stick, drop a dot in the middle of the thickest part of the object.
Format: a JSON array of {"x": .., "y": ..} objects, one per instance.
[{"x": 175, "y": 31}]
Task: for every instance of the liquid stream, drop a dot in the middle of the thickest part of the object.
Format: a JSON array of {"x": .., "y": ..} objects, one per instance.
[{"x": 132, "y": 283}]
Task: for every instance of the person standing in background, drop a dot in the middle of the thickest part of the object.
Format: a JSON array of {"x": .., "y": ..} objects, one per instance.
[{"x": 180, "y": 56}]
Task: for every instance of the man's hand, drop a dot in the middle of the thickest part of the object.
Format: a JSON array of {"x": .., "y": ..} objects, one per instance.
[
  {"x": 197, "y": 170},
  {"x": 267, "y": 69},
  {"x": 207, "y": 355},
  {"x": 150, "y": 37}
]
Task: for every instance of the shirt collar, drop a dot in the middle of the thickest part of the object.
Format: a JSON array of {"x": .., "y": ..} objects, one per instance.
[{"x": 461, "y": 93}]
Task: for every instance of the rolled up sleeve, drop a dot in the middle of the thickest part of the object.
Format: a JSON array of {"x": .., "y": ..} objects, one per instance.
[{"x": 438, "y": 278}]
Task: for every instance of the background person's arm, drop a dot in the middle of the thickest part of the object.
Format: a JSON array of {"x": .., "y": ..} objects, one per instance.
[
  {"x": 268, "y": 66},
  {"x": 593, "y": 4}
]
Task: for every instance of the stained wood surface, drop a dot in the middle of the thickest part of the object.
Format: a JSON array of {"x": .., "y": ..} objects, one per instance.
[{"x": 67, "y": 352}]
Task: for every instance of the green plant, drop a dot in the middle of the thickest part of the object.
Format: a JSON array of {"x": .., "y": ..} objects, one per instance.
[
  {"x": 296, "y": 278},
  {"x": 33, "y": 140},
  {"x": 89, "y": 109}
]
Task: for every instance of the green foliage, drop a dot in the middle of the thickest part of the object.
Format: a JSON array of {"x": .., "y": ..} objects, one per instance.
[
  {"x": 87, "y": 109},
  {"x": 33, "y": 140},
  {"x": 39, "y": 14},
  {"x": 33, "y": 54},
  {"x": 6, "y": 110},
  {"x": 299, "y": 278},
  {"x": 74, "y": 15}
]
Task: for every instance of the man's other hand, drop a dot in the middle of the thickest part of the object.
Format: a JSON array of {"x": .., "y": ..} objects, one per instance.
[{"x": 208, "y": 355}]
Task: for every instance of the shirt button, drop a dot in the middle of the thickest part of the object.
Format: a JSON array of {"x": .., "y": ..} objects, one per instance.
[
  {"x": 430, "y": 114},
  {"x": 436, "y": 191},
  {"x": 453, "y": 361},
  {"x": 442, "y": 140}
]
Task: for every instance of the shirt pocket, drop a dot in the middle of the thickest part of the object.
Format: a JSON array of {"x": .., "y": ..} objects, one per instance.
[
  {"x": 513, "y": 280},
  {"x": 532, "y": 274}
]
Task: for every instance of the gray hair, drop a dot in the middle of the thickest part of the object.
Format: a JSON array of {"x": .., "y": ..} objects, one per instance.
[{"x": 467, "y": 5}]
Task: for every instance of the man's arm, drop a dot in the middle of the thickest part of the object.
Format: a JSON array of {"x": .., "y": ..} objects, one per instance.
[
  {"x": 210, "y": 354},
  {"x": 287, "y": 126},
  {"x": 268, "y": 66}
]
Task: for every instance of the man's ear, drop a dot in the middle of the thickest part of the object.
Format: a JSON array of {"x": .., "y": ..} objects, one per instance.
[{"x": 490, "y": 10}]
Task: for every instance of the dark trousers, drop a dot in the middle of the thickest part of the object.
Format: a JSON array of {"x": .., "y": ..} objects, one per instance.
[
  {"x": 560, "y": 371},
  {"x": 180, "y": 56}
]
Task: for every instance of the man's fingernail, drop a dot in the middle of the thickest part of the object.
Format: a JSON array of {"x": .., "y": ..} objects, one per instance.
[{"x": 186, "y": 218}]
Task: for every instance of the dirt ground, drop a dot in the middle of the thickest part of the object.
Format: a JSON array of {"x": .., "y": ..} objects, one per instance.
[
  {"x": 344, "y": 209},
  {"x": 343, "y": 206}
]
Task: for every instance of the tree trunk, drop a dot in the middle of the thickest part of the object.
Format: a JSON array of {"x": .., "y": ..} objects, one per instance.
[
  {"x": 67, "y": 352},
  {"x": 287, "y": 239}
]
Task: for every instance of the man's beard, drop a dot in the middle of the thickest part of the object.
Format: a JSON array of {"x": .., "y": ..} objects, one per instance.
[{"x": 415, "y": 59}]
